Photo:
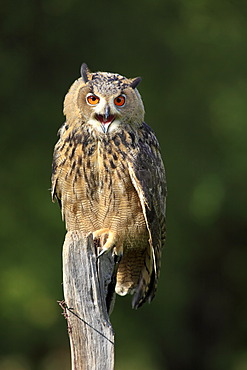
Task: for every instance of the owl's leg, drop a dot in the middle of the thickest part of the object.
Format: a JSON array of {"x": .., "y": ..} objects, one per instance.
[{"x": 109, "y": 240}]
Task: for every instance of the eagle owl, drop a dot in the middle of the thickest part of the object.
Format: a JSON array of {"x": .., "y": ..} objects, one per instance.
[{"x": 109, "y": 178}]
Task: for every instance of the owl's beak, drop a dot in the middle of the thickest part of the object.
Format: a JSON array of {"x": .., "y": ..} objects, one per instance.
[
  {"x": 107, "y": 111},
  {"x": 105, "y": 119}
]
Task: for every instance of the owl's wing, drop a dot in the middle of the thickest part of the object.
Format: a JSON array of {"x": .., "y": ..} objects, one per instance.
[{"x": 148, "y": 177}]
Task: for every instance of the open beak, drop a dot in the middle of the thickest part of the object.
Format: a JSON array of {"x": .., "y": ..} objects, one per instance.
[{"x": 105, "y": 119}]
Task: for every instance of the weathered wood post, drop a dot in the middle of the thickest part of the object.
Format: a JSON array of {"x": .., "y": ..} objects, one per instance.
[{"x": 86, "y": 284}]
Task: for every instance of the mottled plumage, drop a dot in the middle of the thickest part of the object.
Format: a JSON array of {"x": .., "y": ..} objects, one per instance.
[{"x": 109, "y": 177}]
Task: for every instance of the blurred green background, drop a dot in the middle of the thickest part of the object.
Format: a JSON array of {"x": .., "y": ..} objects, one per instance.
[{"x": 192, "y": 56}]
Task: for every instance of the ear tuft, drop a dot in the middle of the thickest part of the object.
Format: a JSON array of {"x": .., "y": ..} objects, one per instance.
[
  {"x": 135, "y": 82},
  {"x": 84, "y": 72}
]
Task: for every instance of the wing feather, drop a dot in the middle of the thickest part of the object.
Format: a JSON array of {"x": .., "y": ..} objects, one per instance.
[{"x": 147, "y": 174}]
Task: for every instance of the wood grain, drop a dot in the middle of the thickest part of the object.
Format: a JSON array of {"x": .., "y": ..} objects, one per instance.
[{"x": 86, "y": 284}]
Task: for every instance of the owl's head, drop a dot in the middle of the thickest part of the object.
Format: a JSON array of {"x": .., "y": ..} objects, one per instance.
[{"x": 106, "y": 101}]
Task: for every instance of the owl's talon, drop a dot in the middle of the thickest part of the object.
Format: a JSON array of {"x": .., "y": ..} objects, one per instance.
[
  {"x": 104, "y": 251},
  {"x": 117, "y": 251},
  {"x": 117, "y": 258}
]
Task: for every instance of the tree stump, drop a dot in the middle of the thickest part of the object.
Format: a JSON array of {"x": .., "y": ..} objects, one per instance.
[{"x": 88, "y": 284}]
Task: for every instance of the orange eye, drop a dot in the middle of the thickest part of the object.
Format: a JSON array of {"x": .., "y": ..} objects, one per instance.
[
  {"x": 92, "y": 99},
  {"x": 119, "y": 101}
]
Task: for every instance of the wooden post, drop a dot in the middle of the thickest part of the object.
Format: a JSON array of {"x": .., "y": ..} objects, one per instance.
[{"x": 86, "y": 284}]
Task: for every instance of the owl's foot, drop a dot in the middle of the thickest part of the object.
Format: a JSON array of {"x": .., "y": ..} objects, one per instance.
[
  {"x": 98, "y": 233},
  {"x": 109, "y": 240}
]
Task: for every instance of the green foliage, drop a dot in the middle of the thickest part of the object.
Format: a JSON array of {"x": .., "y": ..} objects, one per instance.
[{"x": 192, "y": 57}]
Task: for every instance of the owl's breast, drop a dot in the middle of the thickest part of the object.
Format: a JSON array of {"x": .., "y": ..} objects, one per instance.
[
  {"x": 108, "y": 183},
  {"x": 95, "y": 185}
]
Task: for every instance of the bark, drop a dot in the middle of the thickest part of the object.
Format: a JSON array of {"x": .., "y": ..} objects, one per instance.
[{"x": 88, "y": 284}]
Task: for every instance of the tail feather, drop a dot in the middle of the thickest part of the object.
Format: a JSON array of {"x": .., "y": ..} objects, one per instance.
[
  {"x": 137, "y": 275},
  {"x": 129, "y": 270},
  {"x": 147, "y": 283}
]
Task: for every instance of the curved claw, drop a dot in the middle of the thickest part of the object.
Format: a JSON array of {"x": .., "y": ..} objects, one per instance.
[
  {"x": 102, "y": 253},
  {"x": 109, "y": 240}
]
